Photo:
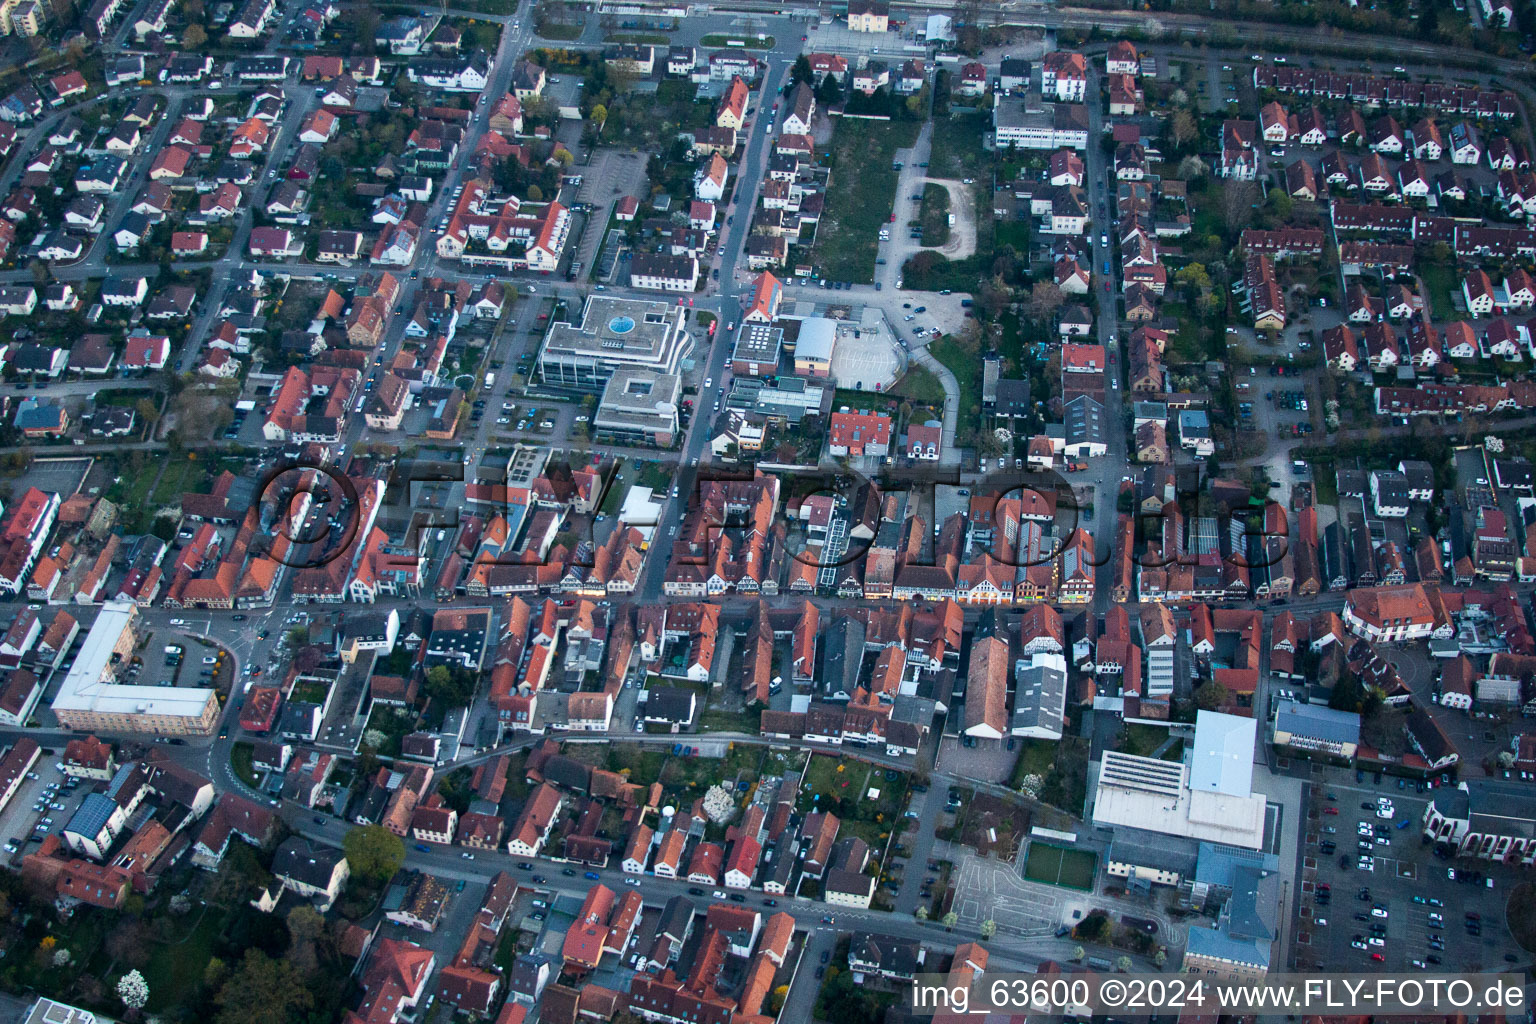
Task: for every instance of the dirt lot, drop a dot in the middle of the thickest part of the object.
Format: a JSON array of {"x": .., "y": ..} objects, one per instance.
[{"x": 962, "y": 234}]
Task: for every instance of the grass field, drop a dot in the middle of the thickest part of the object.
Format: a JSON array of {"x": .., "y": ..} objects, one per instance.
[
  {"x": 747, "y": 42},
  {"x": 1062, "y": 766},
  {"x": 179, "y": 476},
  {"x": 842, "y": 786},
  {"x": 966, "y": 366},
  {"x": 919, "y": 386},
  {"x": 1141, "y": 740},
  {"x": 1440, "y": 282},
  {"x": 859, "y": 199},
  {"x": 957, "y": 151},
  {"x": 175, "y": 967},
  {"x": 559, "y": 31},
  {"x": 242, "y": 760},
  {"x": 1057, "y": 865}
]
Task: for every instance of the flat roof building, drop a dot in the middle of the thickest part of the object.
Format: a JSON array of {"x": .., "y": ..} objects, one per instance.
[
  {"x": 614, "y": 333},
  {"x": 757, "y": 349},
  {"x": 1222, "y": 758},
  {"x": 639, "y": 406},
  {"x": 92, "y": 700},
  {"x": 1206, "y": 799}
]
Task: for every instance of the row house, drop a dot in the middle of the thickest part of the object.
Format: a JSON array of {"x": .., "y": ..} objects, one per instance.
[{"x": 1377, "y": 91}]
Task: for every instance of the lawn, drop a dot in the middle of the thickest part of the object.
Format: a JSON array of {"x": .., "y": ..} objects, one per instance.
[
  {"x": 1142, "y": 740},
  {"x": 1058, "y": 865},
  {"x": 738, "y": 42},
  {"x": 133, "y": 487},
  {"x": 1063, "y": 769},
  {"x": 613, "y": 498},
  {"x": 842, "y": 786},
  {"x": 490, "y": 6},
  {"x": 957, "y": 151},
  {"x": 184, "y": 475},
  {"x": 934, "y": 215},
  {"x": 1012, "y": 232},
  {"x": 860, "y": 197},
  {"x": 634, "y": 762},
  {"x": 242, "y": 760},
  {"x": 1035, "y": 758},
  {"x": 1521, "y": 915},
  {"x": 1440, "y": 284},
  {"x": 966, "y": 366},
  {"x": 726, "y": 720},
  {"x": 176, "y": 968},
  {"x": 920, "y": 387},
  {"x": 559, "y": 31},
  {"x": 865, "y": 401},
  {"x": 1325, "y": 482}
]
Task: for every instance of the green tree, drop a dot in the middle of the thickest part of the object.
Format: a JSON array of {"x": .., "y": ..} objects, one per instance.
[
  {"x": 373, "y": 852},
  {"x": 148, "y": 410},
  {"x": 829, "y": 92},
  {"x": 1095, "y": 927},
  {"x": 1078, "y": 952},
  {"x": 1122, "y": 964},
  {"x": 535, "y": 194},
  {"x": 1195, "y": 275},
  {"x": 801, "y": 72},
  {"x": 305, "y": 928},
  {"x": 950, "y": 919},
  {"x": 263, "y": 991},
  {"x": 1160, "y": 958},
  {"x": 450, "y": 685},
  {"x": 214, "y": 973},
  {"x": 1280, "y": 205},
  {"x": 988, "y": 928},
  {"x": 194, "y": 38},
  {"x": 921, "y": 914},
  {"x": 1212, "y": 696}
]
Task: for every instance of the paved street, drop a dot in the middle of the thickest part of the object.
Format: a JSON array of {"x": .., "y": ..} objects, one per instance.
[{"x": 1026, "y": 914}]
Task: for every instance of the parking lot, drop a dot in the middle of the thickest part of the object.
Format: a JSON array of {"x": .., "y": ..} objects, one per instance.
[
  {"x": 868, "y": 361},
  {"x": 1275, "y": 404},
  {"x": 46, "y": 801},
  {"x": 1387, "y": 909}
]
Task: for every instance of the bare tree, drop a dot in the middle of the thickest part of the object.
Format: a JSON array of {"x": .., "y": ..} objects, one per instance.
[
  {"x": 1237, "y": 200},
  {"x": 1043, "y": 301},
  {"x": 1182, "y": 128},
  {"x": 1192, "y": 167}
]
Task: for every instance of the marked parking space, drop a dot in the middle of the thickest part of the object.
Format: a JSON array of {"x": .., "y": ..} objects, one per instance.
[{"x": 865, "y": 363}]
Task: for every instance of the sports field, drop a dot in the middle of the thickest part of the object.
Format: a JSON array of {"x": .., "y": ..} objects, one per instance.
[{"x": 1057, "y": 865}]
